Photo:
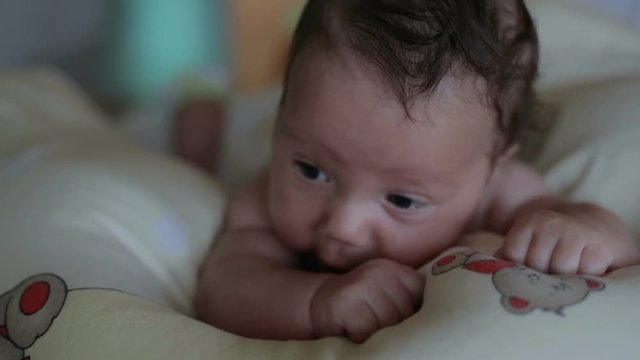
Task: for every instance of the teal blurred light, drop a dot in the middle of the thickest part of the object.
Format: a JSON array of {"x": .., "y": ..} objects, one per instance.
[{"x": 159, "y": 40}]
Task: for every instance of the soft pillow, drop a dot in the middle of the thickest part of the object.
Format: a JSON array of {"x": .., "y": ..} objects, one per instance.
[
  {"x": 592, "y": 152},
  {"x": 474, "y": 307},
  {"x": 80, "y": 200},
  {"x": 579, "y": 45}
]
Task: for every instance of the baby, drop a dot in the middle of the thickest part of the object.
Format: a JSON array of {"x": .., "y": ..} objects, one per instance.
[{"x": 395, "y": 136}]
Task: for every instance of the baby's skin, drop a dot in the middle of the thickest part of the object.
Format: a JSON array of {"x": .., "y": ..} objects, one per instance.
[{"x": 361, "y": 191}]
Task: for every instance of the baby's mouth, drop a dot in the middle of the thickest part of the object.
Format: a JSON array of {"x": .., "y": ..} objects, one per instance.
[
  {"x": 4, "y": 332},
  {"x": 313, "y": 263},
  {"x": 335, "y": 258},
  {"x": 333, "y": 270}
]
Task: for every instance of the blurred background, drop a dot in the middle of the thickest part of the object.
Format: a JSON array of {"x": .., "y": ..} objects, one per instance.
[
  {"x": 142, "y": 60},
  {"x": 127, "y": 51}
]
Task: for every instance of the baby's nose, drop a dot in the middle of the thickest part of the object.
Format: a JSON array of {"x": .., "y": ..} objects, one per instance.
[{"x": 348, "y": 223}]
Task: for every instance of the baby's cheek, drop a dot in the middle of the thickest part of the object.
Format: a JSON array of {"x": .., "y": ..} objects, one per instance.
[
  {"x": 424, "y": 243},
  {"x": 292, "y": 223}
]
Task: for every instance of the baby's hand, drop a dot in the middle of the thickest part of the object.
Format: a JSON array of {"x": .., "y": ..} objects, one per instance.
[
  {"x": 375, "y": 295},
  {"x": 551, "y": 241}
]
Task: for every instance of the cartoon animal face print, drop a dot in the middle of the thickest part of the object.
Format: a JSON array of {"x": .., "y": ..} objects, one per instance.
[
  {"x": 523, "y": 289},
  {"x": 27, "y": 312}
]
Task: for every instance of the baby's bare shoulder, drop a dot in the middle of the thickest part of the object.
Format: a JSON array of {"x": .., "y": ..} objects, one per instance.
[
  {"x": 248, "y": 207},
  {"x": 514, "y": 184},
  {"x": 516, "y": 175},
  {"x": 248, "y": 231}
]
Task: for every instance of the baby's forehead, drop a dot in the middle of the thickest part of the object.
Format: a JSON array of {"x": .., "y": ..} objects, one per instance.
[
  {"x": 331, "y": 93},
  {"x": 458, "y": 88},
  {"x": 458, "y": 103}
]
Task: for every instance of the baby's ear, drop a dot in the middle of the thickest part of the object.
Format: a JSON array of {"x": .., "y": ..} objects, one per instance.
[
  {"x": 508, "y": 155},
  {"x": 511, "y": 17},
  {"x": 516, "y": 32},
  {"x": 503, "y": 158},
  {"x": 519, "y": 48}
]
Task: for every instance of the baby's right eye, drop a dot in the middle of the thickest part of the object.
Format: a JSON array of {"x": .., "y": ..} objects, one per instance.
[
  {"x": 311, "y": 172},
  {"x": 406, "y": 202}
]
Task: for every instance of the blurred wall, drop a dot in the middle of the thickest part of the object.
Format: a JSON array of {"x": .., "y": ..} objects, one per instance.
[
  {"x": 132, "y": 48},
  {"x": 69, "y": 34},
  {"x": 627, "y": 11},
  {"x": 158, "y": 41},
  {"x": 115, "y": 48},
  {"x": 262, "y": 31},
  {"x": 33, "y": 31}
]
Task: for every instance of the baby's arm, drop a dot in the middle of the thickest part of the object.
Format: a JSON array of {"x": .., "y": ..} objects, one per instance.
[
  {"x": 247, "y": 283},
  {"x": 250, "y": 285},
  {"x": 551, "y": 234}
]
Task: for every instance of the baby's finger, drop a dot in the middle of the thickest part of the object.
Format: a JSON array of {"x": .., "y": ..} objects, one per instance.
[
  {"x": 403, "y": 301},
  {"x": 385, "y": 309},
  {"x": 360, "y": 323},
  {"x": 540, "y": 250},
  {"x": 516, "y": 243},
  {"x": 414, "y": 283},
  {"x": 594, "y": 261},
  {"x": 566, "y": 256}
]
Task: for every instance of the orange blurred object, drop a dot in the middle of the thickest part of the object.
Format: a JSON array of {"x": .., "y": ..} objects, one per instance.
[{"x": 262, "y": 34}]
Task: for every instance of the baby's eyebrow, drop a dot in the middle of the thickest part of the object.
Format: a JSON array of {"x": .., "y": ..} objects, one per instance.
[
  {"x": 334, "y": 155},
  {"x": 415, "y": 175},
  {"x": 431, "y": 186}
]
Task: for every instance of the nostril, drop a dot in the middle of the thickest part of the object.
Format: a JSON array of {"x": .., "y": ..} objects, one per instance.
[
  {"x": 340, "y": 240},
  {"x": 346, "y": 221},
  {"x": 344, "y": 234}
]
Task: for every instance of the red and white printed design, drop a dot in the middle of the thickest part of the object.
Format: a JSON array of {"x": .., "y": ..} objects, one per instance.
[
  {"x": 523, "y": 289},
  {"x": 26, "y": 313}
]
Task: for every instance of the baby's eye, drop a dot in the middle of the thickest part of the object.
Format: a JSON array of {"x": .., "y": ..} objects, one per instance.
[
  {"x": 311, "y": 172},
  {"x": 404, "y": 202}
]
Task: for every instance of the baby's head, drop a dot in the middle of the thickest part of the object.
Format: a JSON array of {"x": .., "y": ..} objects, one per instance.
[{"x": 395, "y": 115}]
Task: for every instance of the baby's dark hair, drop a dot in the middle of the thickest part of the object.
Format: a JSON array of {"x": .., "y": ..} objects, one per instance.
[{"x": 415, "y": 43}]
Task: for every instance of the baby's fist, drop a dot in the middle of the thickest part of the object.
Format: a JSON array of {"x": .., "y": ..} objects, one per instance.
[
  {"x": 377, "y": 294},
  {"x": 550, "y": 241}
]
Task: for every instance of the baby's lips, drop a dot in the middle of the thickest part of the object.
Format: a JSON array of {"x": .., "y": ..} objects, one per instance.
[
  {"x": 4, "y": 332},
  {"x": 34, "y": 297}
]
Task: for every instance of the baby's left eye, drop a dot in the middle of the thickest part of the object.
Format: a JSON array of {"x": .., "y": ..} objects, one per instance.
[
  {"x": 311, "y": 172},
  {"x": 404, "y": 202}
]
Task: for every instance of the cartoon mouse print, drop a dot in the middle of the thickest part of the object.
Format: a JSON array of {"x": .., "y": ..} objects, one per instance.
[
  {"x": 523, "y": 289},
  {"x": 26, "y": 313}
]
